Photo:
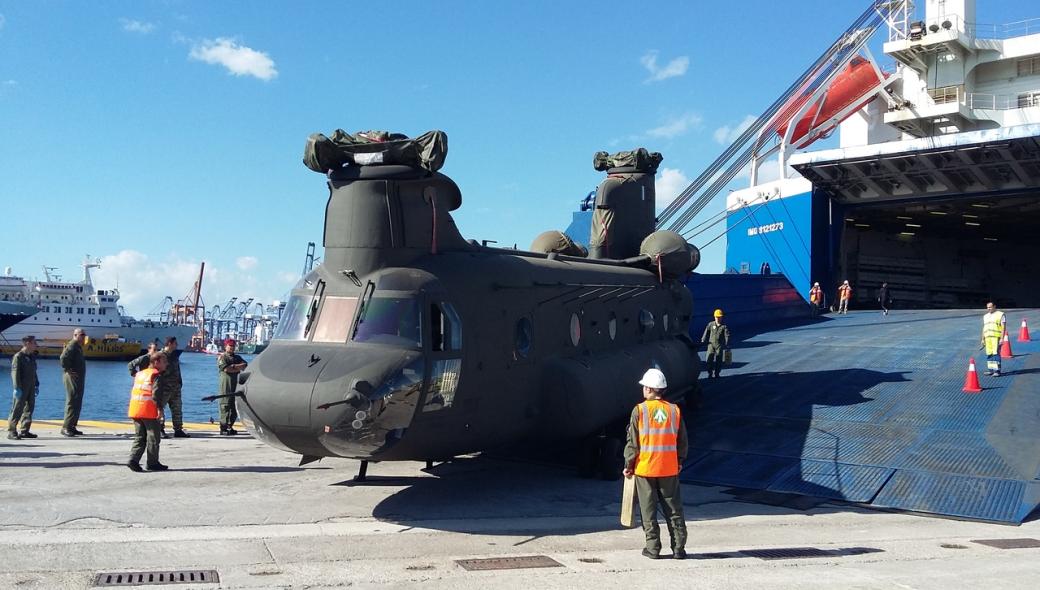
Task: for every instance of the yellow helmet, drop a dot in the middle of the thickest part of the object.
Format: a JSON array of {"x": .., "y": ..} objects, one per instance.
[{"x": 718, "y": 313}]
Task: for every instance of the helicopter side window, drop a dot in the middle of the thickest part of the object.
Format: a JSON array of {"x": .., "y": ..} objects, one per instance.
[
  {"x": 334, "y": 321},
  {"x": 445, "y": 328},
  {"x": 443, "y": 383},
  {"x": 390, "y": 320},
  {"x": 522, "y": 338}
]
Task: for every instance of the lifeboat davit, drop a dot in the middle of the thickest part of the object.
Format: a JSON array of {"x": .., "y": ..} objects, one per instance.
[{"x": 854, "y": 87}]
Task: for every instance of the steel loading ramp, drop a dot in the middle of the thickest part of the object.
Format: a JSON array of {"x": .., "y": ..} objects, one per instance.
[{"x": 869, "y": 409}]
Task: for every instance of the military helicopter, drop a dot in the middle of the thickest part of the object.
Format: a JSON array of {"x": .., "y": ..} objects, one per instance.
[{"x": 411, "y": 343}]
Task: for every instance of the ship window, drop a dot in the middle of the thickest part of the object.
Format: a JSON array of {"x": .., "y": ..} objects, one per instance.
[
  {"x": 68, "y": 310},
  {"x": 90, "y": 311},
  {"x": 1029, "y": 99},
  {"x": 1029, "y": 66},
  {"x": 446, "y": 328},
  {"x": 390, "y": 320},
  {"x": 523, "y": 338},
  {"x": 102, "y": 311},
  {"x": 334, "y": 321}
]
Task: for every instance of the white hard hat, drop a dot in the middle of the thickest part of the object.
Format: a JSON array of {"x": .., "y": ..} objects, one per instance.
[{"x": 654, "y": 378}]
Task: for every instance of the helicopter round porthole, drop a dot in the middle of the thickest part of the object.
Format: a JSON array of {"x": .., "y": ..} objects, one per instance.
[
  {"x": 575, "y": 329},
  {"x": 646, "y": 321},
  {"x": 522, "y": 339},
  {"x": 612, "y": 326}
]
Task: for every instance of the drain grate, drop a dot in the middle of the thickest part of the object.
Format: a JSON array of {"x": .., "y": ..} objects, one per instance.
[
  {"x": 507, "y": 563},
  {"x": 1026, "y": 543},
  {"x": 806, "y": 552},
  {"x": 109, "y": 579}
]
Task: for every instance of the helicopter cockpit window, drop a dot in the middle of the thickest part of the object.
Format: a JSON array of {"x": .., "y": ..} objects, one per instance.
[
  {"x": 446, "y": 328},
  {"x": 334, "y": 321},
  {"x": 390, "y": 320},
  {"x": 294, "y": 318}
]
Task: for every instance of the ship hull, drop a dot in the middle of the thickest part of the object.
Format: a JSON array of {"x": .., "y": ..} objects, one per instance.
[{"x": 143, "y": 334}]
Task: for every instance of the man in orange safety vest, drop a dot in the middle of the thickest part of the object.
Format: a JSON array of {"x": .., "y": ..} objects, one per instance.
[
  {"x": 149, "y": 394},
  {"x": 654, "y": 454}
]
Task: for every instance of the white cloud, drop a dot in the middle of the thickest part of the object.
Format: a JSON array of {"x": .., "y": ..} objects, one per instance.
[
  {"x": 144, "y": 282},
  {"x": 676, "y": 67},
  {"x": 669, "y": 183},
  {"x": 768, "y": 171},
  {"x": 676, "y": 126},
  {"x": 238, "y": 59},
  {"x": 726, "y": 135},
  {"x": 136, "y": 26},
  {"x": 289, "y": 278},
  {"x": 246, "y": 262}
]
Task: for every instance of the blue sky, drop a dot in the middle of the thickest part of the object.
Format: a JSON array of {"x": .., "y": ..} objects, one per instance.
[{"x": 156, "y": 135}]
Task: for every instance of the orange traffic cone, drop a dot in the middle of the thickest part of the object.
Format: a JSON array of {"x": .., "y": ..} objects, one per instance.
[
  {"x": 1023, "y": 332},
  {"x": 971, "y": 380},
  {"x": 1005, "y": 347}
]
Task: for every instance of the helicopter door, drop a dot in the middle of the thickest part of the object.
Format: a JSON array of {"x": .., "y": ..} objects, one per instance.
[{"x": 445, "y": 356}]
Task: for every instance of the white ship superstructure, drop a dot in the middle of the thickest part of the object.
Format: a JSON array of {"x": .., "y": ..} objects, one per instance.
[{"x": 64, "y": 306}]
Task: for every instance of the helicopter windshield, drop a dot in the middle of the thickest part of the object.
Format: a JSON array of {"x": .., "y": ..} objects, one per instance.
[
  {"x": 390, "y": 320},
  {"x": 293, "y": 322}
]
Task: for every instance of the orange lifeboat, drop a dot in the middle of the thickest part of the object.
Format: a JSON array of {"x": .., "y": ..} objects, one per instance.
[{"x": 855, "y": 85}]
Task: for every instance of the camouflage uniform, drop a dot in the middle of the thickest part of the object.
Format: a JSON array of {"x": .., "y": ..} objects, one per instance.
[
  {"x": 228, "y": 384},
  {"x": 26, "y": 382},
  {"x": 138, "y": 364},
  {"x": 173, "y": 374},
  {"x": 74, "y": 367}
]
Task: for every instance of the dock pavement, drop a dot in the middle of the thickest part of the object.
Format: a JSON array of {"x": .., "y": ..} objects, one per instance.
[{"x": 249, "y": 513}]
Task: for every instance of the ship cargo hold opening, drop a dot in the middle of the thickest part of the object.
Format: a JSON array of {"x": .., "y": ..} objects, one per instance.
[
  {"x": 949, "y": 226},
  {"x": 955, "y": 253}
]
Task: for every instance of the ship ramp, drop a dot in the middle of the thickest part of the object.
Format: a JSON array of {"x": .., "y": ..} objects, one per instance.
[{"x": 869, "y": 409}]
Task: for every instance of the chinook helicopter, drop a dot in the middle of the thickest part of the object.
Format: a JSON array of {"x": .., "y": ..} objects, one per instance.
[{"x": 411, "y": 343}]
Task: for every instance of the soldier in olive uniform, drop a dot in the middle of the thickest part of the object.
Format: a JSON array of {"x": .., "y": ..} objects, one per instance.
[
  {"x": 173, "y": 375},
  {"x": 716, "y": 335},
  {"x": 140, "y": 363},
  {"x": 26, "y": 384},
  {"x": 146, "y": 429},
  {"x": 229, "y": 365},
  {"x": 74, "y": 368}
]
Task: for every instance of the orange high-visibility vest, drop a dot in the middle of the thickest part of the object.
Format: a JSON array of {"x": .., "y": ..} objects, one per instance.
[
  {"x": 658, "y": 439},
  {"x": 814, "y": 295},
  {"x": 142, "y": 404},
  {"x": 845, "y": 292}
]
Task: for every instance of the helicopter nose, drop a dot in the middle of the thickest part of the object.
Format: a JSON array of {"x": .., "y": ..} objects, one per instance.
[
  {"x": 288, "y": 399},
  {"x": 374, "y": 415}
]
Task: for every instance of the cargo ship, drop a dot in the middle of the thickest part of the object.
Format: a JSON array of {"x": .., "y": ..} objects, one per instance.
[{"x": 927, "y": 178}]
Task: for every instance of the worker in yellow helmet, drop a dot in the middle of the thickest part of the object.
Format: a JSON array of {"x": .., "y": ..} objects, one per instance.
[{"x": 716, "y": 335}]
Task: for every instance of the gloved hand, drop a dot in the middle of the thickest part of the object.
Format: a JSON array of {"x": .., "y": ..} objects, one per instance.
[{"x": 18, "y": 393}]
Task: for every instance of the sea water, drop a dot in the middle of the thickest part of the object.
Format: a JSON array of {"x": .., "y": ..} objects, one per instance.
[{"x": 107, "y": 394}]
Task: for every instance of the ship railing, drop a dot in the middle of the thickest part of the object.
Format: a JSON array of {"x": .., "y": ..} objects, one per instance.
[
  {"x": 1020, "y": 28},
  {"x": 946, "y": 94},
  {"x": 1002, "y": 102}
]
